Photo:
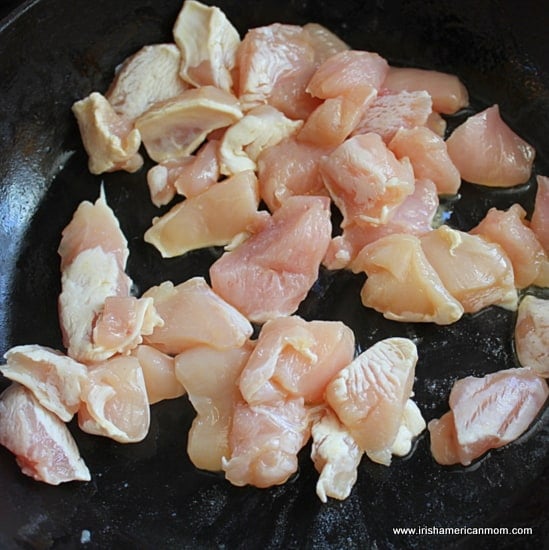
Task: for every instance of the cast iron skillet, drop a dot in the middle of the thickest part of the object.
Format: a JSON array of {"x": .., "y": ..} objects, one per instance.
[{"x": 149, "y": 495}]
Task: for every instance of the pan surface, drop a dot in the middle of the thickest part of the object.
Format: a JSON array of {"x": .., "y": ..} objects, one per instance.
[{"x": 149, "y": 495}]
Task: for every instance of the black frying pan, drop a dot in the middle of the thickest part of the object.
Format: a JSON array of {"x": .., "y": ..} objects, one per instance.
[{"x": 148, "y": 495}]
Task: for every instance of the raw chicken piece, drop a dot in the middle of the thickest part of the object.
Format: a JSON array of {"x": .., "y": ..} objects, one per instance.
[
  {"x": 475, "y": 272},
  {"x": 122, "y": 322},
  {"x": 195, "y": 315},
  {"x": 487, "y": 413},
  {"x": 42, "y": 444},
  {"x": 448, "y": 93},
  {"x": 543, "y": 278},
  {"x": 54, "y": 379},
  {"x": 158, "y": 373},
  {"x": 148, "y": 76},
  {"x": 325, "y": 43},
  {"x": 98, "y": 317},
  {"x": 510, "y": 230},
  {"x": 188, "y": 176},
  {"x": 213, "y": 218},
  {"x": 175, "y": 128},
  {"x": 486, "y": 151},
  {"x": 402, "y": 284},
  {"x": 336, "y": 457},
  {"x": 93, "y": 225},
  {"x": 348, "y": 82},
  {"x": 160, "y": 179},
  {"x": 331, "y": 122},
  {"x": 414, "y": 216},
  {"x": 429, "y": 157},
  {"x": 411, "y": 426},
  {"x": 115, "y": 402},
  {"x": 290, "y": 168},
  {"x": 201, "y": 172},
  {"x": 264, "y": 440},
  {"x": 275, "y": 63},
  {"x": 444, "y": 445},
  {"x": 540, "y": 216},
  {"x": 208, "y": 43},
  {"x": 365, "y": 180},
  {"x": 269, "y": 274},
  {"x": 112, "y": 143},
  {"x": 211, "y": 379},
  {"x": 437, "y": 124},
  {"x": 532, "y": 334},
  {"x": 358, "y": 75},
  {"x": 296, "y": 358},
  {"x": 88, "y": 281},
  {"x": 370, "y": 394},
  {"x": 390, "y": 111},
  {"x": 261, "y": 127}
]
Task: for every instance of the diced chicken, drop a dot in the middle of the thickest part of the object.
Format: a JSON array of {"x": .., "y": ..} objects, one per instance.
[
  {"x": 98, "y": 317},
  {"x": 444, "y": 445},
  {"x": 112, "y": 143},
  {"x": 201, "y": 172},
  {"x": 270, "y": 273},
  {"x": 160, "y": 180},
  {"x": 89, "y": 280},
  {"x": 188, "y": 176},
  {"x": 296, "y": 358},
  {"x": 510, "y": 230},
  {"x": 486, "y": 413},
  {"x": 175, "y": 128},
  {"x": 264, "y": 440},
  {"x": 148, "y": 76},
  {"x": 532, "y": 334},
  {"x": 488, "y": 152},
  {"x": 540, "y": 216},
  {"x": 260, "y": 128},
  {"x": 543, "y": 277},
  {"x": 211, "y": 378},
  {"x": 365, "y": 180},
  {"x": 213, "y": 218},
  {"x": 475, "y": 272},
  {"x": 42, "y": 444},
  {"x": 325, "y": 43},
  {"x": 93, "y": 225},
  {"x": 429, "y": 157},
  {"x": 275, "y": 63},
  {"x": 417, "y": 213},
  {"x": 370, "y": 394},
  {"x": 412, "y": 425},
  {"x": 336, "y": 457},
  {"x": 208, "y": 42},
  {"x": 402, "y": 284},
  {"x": 96, "y": 321},
  {"x": 195, "y": 315},
  {"x": 54, "y": 379},
  {"x": 437, "y": 124},
  {"x": 391, "y": 111},
  {"x": 115, "y": 402},
  {"x": 355, "y": 74},
  {"x": 448, "y": 93},
  {"x": 331, "y": 122},
  {"x": 122, "y": 322},
  {"x": 158, "y": 373},
  {"x": 290, "y": 168},
  {"x": 414, "y": 216}
]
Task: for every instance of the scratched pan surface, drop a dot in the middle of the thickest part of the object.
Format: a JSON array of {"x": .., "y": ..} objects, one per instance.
[{"x": 148, "y": 495}]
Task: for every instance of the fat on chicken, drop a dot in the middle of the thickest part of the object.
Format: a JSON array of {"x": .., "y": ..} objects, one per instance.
[{"x": 41, "y": 442}]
